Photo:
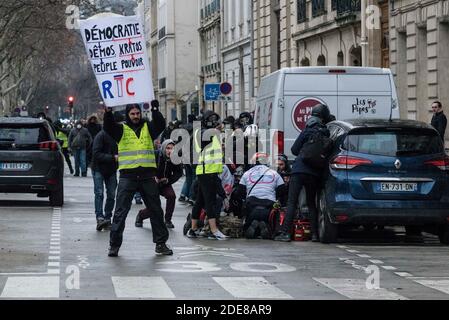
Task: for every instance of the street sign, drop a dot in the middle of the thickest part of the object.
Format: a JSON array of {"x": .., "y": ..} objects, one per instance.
[
  {"x": 225, "y": 88},
  {"x": 211, "y": 91}
]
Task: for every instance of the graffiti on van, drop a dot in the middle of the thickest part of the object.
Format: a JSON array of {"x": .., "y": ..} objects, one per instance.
[
  {"x": 364, "y": 106},
  {"x": 302, "y": 112}
]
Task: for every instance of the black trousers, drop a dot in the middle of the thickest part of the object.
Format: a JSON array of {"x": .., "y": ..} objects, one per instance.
[
  {"x": 259, "y": 215},
  {"x": 207, "y": 196},
  {"x": 65, "y": 152},
  {"x": 311, "y": 184},
  {"x": 149, "y": 191}
]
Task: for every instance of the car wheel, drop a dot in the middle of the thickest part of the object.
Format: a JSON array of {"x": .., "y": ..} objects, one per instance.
[
  {"x": 327, "y": 230},
  {"x": 444, "y": 235},
  {"x": 57, "y": 196}
]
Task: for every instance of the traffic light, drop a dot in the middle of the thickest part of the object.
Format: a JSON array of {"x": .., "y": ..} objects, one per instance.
[{"x": 71, "y": 100}]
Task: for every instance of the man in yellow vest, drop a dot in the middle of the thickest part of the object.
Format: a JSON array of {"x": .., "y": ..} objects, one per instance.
[
  {"x": 63, "y": 135},
  {"x": 208, "y": 168},
  {"x": 137, "y": 165}
]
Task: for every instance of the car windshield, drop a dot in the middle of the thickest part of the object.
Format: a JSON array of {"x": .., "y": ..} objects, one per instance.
[
  {"x": 394, "y": 142},
  {"x": 23, "y": 135}
]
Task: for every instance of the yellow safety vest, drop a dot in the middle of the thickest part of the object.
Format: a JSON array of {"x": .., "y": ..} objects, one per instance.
[
  {"x": 62, "y": 136},
  {"x": 211, "y": 158},
  {"x": 134, "y": 152}
]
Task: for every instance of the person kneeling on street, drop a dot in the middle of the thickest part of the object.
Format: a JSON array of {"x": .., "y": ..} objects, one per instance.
[
  {"x": 261, "y": 186},
  {"x": 138, "y": 170},
  {"x": 167, "y": 175}
]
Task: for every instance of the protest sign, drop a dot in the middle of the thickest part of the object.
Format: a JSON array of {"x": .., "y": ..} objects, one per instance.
[{"x": 117, "y": 51}]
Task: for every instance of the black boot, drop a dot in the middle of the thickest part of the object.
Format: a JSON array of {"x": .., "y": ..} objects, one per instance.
[
  {"x": 113, "y": 251},
  {"x": 163, "y": 250}
]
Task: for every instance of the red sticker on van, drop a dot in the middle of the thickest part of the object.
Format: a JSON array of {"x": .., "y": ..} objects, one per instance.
[{"x": 303, "y": 111}]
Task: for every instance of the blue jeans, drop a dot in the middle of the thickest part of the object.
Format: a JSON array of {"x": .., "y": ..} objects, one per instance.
[
  {"x": 80, "y": 161},
  {"x": 187, "y": 186},
  {"x": 111, "y": 187}
]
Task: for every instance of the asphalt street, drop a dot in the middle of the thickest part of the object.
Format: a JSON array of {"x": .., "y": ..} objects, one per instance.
[{"x": 51, "y": 253}]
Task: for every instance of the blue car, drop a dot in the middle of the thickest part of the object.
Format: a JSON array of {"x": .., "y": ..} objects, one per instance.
[{"x": 385, "y": 173}]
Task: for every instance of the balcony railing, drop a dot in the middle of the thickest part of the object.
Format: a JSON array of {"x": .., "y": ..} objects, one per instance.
[
  {"x": 345, "y": 7},
  {"x": 302, "y": 11}
]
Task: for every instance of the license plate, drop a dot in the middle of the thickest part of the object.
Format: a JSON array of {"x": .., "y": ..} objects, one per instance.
[
  {"x": 15, "y": 166},
  {"x": 399, "y": 187}
]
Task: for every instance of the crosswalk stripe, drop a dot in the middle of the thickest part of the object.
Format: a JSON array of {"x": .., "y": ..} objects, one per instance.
[
  {"x": 31, "y": 287},
  {"x": 251, "y": 288},
  {"x": 356, "y": 289},
  {"x": 142, "y": 287},
  {"x": 441, "y": 285}
]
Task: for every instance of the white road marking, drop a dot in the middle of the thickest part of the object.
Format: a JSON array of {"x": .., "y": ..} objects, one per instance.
[
  {"x": 364, "y": 256},
  {"x": 142, "y": 287},
  {"x": 262, "y": 267},
  {"x": 356, "y": 289},
  {"x": 353, "y": 251},
  {"x": 376, "y": 261},
  {"x": 441, "y": 285},
  {"x": 53, "y": 271},
  {"x": 31, "y": 287},
  {"x": 251, "y": 288},
  {"x": 53, "y": 264},
  {"x": 343, "y": 247},
  {"x": 404, "y": 274},
  {"x": 390, "y": 268}
]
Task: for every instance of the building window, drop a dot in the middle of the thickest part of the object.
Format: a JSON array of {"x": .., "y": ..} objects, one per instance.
[
  {"x": 347, "y": 6},
  {"x": 302, "y": 11},
  {"x": 305, "y": 62},
  {"x": 321, "y": 61},
  {"x": 340, "y": 59},
  {"x": 318, "y": 8},
  {"x": 334, "y": 5}
]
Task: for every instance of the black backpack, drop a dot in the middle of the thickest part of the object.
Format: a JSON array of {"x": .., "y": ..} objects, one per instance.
[{"x": 316, "y": 150}]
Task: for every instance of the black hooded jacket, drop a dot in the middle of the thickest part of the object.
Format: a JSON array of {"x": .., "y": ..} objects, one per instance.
[{"x": 115, "y": 130}]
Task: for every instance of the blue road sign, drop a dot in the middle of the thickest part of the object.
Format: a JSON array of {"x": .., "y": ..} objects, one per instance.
[{"x": 212, "y": 92}]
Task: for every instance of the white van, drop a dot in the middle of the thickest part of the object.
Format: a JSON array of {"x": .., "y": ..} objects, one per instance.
[{"x": 286, "y": 97}]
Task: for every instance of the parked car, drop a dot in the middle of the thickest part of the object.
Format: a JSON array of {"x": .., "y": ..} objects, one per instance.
[
  {"x": 31, "y": 160},
  {"x": 286, "y": 97},
  {"x": 385, "y": 173}
]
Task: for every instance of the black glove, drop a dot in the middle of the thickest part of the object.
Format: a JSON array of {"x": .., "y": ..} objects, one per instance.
[{"x": 154, "y": 105}]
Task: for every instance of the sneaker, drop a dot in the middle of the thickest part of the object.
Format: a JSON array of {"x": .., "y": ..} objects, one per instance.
[
  {"x": 250, "y": 233},
  {"x": 113, "y": 252},
  {"x": 217, "y": 235},
  {"x": 84, "y": 175},
  {"x": 139, "y": 222},
  {"x": 192, "y": 234},
  {"x": 72, "y": 171},
  {"x": 101, "y": 224},
  {"x": 169, "y": 225},
  {"x": 191, "y": 202},
  {"x": 204, "y": 233},
  {"x": 182, "y": 199},
  {"x": 264, "y": 231},
  {"x": 283, "y": 237},
  {"x": 163, "y": 250},
  {"x": 76, "y": 175}
]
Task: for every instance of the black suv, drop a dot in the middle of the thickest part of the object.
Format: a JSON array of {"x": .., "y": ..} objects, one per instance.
[{"x": 31, "y": 160}]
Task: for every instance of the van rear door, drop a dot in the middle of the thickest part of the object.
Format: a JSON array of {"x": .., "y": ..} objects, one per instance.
[
  {"x": 301, "y": 93},
  {"x": 364, "y": 96}
]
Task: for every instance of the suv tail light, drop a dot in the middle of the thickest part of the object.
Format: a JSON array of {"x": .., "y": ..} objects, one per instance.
[
  {"x": 279, "y": 142},
  {"x": 441, "y": 163},
  {"x": 49, "y": 145},
  {"x": 348, "y": 163}
]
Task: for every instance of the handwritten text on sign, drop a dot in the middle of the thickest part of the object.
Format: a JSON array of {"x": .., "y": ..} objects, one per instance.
[{"x": 117, "y": 51}]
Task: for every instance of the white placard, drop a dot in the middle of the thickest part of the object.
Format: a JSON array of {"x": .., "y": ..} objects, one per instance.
[{"x": 117, "y": 51}]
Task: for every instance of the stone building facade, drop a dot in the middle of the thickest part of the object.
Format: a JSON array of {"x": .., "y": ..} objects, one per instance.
[
  {"x": 237, "y": 54},
  {"x": 420, "y": 56},
  {"x": 172, "y": 44}
]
